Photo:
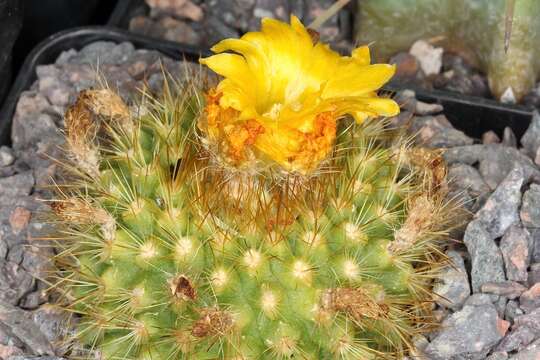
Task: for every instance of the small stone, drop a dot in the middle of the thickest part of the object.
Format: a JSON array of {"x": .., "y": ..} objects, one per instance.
[
  {"x": 21, "y": 325},
  {"x": 518, "y": 338},
  {"x": 185, "y": 9},
  {"x": 508, "y": 289},
  {"x": 486, "y": 260},
  {"x": 531, "y": 139},
  {"x": 53, "y": 322},
  {"x": 530, "y": 299},
  {"x": 535, "y": 233},
  {"x": 497, "y": 161},
  {"x": 509, "y": 138},
  {"x": 531, "y": 352},
  {"x": 512, "y": 310},
  {"x": 466, "y": 177},
  {"x": 534, "y": 274},
  {"x": 490, "y": 137},
  {"x": 454, "y": 287},
  {"x": 530, "y": 209},
  {"x": 501, "y": 209},
  {"x": 15, "y": 282},
  {"x": 424, "y": 109},
  {"x": 468, "y": 333},
  {"x": 437, "y": 132},
  {"x": 179, "y": 31},
  {"x": 9, "y": 352},
  {"x": 531, "y": 319},
  {"x": 469, "y": 154},
  {"x": 6, "y": 156},
  {"x": 508, "y": 96},
  {"x": 145, "y": 26},
  {"x": 406, "y": 99},
  {"x": 406, "y": 66},
  {"x": 19, "y": 219},
  {"x": 104, "y": 52},
  {"x": 429, "y": 57},
  {"x": 514, "y": 247},
  {"x": 498, "y": 355}
]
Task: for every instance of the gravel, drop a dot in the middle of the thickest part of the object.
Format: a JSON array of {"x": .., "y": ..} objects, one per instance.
[
  {"x": 468, "y": 333},
  {"x": 205, "y": 22}
]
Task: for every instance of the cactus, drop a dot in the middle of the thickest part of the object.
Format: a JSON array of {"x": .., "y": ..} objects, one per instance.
[
  {"x": 476, "y": 29},
  {"x": 178, "y": 240}
]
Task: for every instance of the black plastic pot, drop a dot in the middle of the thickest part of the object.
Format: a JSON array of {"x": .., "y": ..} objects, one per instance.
[
  {"x": 10, "y": 25},
  {"x": 475, "y": 115},
  {"x": 472, "y": 115},
  {"x": 48, "y": 51},
  {"x": 43, "y": 18}
]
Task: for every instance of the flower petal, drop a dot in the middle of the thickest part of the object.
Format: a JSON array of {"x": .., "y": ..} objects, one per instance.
[{"x": 354, "y": 80}]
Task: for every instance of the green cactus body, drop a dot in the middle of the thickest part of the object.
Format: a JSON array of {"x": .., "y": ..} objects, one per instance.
[
  {"x": 166, "y": 254},
  {"x": 473, "y": 28}
]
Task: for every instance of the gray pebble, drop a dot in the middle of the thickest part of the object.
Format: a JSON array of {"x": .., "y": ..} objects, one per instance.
[
  {"x": 437, "y": 132},
  {"x": 531, "y": 352},
  {"x": 530, "y": 299},
  {"x": 501, "y": 209},
  {"x": 469, "y": 154},
  {"x": 498, "y": 355},
  {"x": 486, "y": 260},
  {"x": 6, "y": 156},
  {"x": 531, "y": 139},
  {"x": 16, "y": 186},
  {"x": 480, "y": 299},
  {"x": 103, "y": 52},
  {"x": 535, "y": 233},
  {"x": 517, "y": 339},
  {"x": 534, "y": 274},
  {"x": 512, "y": 310},
  {"x": 508, "y": 289},
  {"x": 515, "y": 245},
  {"x": 53, "y": 322},
  {"x": 509, "y": 138},
  {"x": 530, "y": 209},
  {"x": 15, "y": 282},
  {"x": 497, "y": 161},
  {"x": 21, "y": 325},
  {"x": 490, "y": 137},
  {"x": 531, "y": 319},
  {"x": 468, "y": 334},
  {"x": 423, "y": 108},
  {"x": 466, "y": 177},
  {"x": 453, "y": 288}
]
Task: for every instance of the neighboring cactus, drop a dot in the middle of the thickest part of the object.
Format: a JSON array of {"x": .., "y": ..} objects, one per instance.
[
  {"x": 200, "y": 229},
  {"x": 474, "y": 28}
]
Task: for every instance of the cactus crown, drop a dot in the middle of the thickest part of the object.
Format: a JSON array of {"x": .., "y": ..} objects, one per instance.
[{"x": 167, "y": 251}]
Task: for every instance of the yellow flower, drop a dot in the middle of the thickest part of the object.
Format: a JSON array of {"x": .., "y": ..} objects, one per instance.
[{"x": 282, "y": 95}]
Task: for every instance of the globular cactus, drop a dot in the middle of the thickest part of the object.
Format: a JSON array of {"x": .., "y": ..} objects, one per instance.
[
  {"x": 253, "y": 219},
  {"x": 500, "y": 37}
]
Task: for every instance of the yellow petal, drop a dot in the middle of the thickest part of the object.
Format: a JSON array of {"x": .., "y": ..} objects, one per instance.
[
  {"x": 353, "y": 80},
  {"x": 230, "y": 66},
  {"x": 361, "y": 108},
  {"x": 361, "y": 55}
]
